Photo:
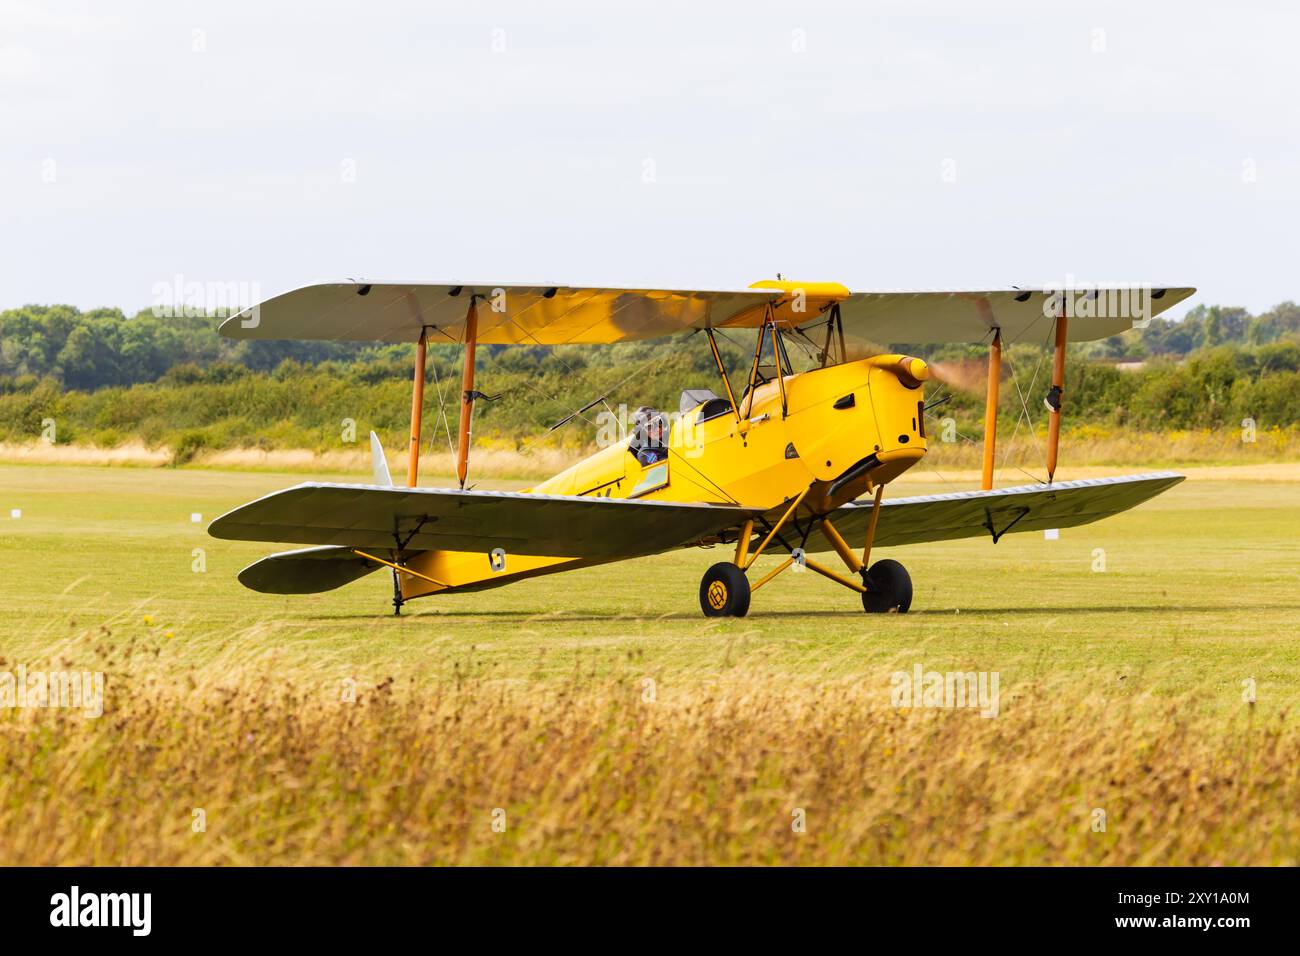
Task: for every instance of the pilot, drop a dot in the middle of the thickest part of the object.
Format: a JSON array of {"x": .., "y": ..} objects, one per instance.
[{"x": 649, "y": 442}]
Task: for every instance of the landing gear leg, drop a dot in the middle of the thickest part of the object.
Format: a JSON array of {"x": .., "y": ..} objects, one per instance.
[
  {"x": 725, "y": 588},
  {"x": 398, "y": 600},
  {"x": 397, "y": 569},
  {"x": 886, "y": 586}
]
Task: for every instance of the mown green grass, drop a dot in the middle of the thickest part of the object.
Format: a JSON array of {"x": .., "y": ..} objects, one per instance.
[{"x": 1198, "y": 593}]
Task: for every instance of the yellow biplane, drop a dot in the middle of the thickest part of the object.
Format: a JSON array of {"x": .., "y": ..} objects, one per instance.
[{"x": 790, "y": 460}]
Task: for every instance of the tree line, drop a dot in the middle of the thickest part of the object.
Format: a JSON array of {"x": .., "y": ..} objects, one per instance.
[{"x": 104, "y": 378}]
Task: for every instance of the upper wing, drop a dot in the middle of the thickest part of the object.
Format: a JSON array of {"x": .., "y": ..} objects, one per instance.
[
  {"x": 1028, "y": 315},
  {"x": 529, "y": 315},
  {"x": 562, "y": 315},
  {"x": 422, "y": 519},
  {"x": 971, "y": 514}
]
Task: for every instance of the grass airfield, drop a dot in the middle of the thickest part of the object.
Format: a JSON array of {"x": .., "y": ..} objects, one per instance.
[{"x": 608, "y": 722}]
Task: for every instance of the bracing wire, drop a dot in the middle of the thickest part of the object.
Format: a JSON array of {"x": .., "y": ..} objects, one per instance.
[
  {"x": 442, "y": 413},
  {"x": 1025, "y": 415}
]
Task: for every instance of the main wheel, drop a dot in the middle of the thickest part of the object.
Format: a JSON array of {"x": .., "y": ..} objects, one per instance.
[
  {"x": 724, "y": 591},
  {"x": 889, "y": 588}
]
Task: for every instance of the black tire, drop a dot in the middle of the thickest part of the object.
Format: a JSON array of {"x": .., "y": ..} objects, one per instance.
[
  {"x": 724, "y": 591},
  {"x": 889, "y": 588}
]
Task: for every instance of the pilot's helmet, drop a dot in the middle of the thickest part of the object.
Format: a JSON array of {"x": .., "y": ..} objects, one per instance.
[{"x": 645, "y": 422}]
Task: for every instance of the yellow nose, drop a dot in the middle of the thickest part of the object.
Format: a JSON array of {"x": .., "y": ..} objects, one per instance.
[{"x": 911, "y": 371}]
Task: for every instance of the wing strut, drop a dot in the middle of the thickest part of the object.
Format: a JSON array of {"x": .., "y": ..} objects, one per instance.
[
  {"x": 855, "y": 564},
  {"x": 871, "y": 528},
  {"x": 839, "y": 327},
  {"x": 991, "y": 409},
  {"x": 748, "y": 400},
  {"x": 417, "y": 411},
  {"x": 467, "y": 392},
  {"x": 1054, "y": 396},
  {"x": 769, "y": 321},
  {"x": 726, "y": 380},
  {"x": 780, "y": 374},
  {"x": 396, "y": 569},
  {"x": 834, "y": 322}
]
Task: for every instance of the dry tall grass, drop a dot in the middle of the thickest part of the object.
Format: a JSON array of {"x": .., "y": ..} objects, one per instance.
[
  {"x": 1090, "y": 445},
  {"x": 44, "y": 453},
  {"x": 593, "y": 771},
  {"x": 1084, "y": 445},
  {"x": 486, "y": 462}
]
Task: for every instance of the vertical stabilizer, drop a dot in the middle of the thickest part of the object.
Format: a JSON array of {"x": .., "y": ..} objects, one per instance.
[{"x": 378, "y": 463}]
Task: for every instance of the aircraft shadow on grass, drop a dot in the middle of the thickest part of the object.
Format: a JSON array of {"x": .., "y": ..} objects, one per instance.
[{"x": 547, "y": 617}]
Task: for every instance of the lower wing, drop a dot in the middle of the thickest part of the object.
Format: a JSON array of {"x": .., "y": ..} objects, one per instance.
[
  {"x": 371, "y": 517},
  {"x": 306, "y": 571},
  {"x": 340, "y": 518},
  {"x": 972, "y": 514}
]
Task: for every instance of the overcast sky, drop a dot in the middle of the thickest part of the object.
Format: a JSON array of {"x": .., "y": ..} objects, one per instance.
[{"x": 880, "y": 144}]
